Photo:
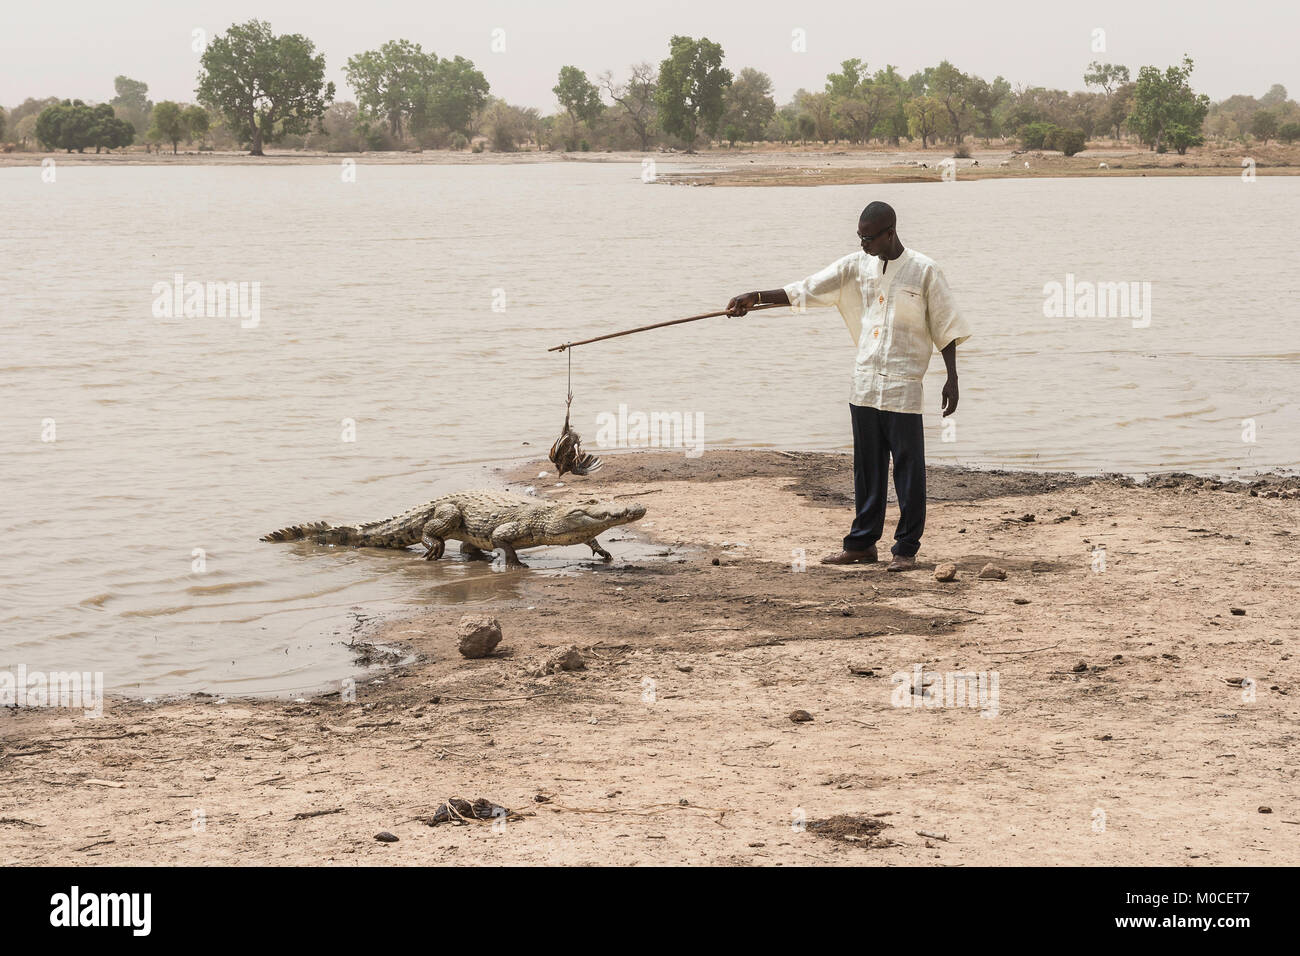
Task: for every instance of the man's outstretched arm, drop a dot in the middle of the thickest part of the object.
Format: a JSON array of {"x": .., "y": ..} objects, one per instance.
[
  {"x": 949, "y": 353},
  {"x": 743, "y": 303}
]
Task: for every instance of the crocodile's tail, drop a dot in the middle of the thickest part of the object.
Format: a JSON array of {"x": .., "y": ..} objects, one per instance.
[{"x": 320, "y": 531}]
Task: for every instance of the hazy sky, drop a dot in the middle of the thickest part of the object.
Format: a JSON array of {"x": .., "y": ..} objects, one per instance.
[{"x": 76, "y": 47}]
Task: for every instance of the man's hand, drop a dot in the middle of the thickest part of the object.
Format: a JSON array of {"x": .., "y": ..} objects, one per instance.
[
  {"x": 742, "y": 303},
  {"x": 949, "y": 396}
]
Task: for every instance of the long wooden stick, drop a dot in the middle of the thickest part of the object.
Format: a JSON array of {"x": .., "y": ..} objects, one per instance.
[{"x": 659, "y": 325}]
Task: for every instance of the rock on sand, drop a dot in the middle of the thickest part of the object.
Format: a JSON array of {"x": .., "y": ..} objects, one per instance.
[{"x": 479, "y": 635}]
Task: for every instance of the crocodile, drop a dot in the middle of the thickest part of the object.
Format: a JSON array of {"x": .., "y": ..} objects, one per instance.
[{"x": 482, "y": 520}]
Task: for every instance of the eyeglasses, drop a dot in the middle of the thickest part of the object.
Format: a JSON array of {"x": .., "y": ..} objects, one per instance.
[{"x": 863, "y": 238}]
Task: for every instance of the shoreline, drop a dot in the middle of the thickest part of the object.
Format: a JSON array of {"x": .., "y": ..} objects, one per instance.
[
  {"x": 702, "y": 763},
  {"x": 811, "y": 166}
]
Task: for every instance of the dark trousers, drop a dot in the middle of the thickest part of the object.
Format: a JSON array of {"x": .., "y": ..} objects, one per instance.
[{"x": 877, "y": 435}]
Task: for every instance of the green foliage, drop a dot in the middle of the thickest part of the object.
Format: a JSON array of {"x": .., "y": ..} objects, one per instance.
[
  {"x": 926, "y": 119},
  {"x": 1164, "y": 99},
  {"x": 2, "y": 123},
  {"x": 1288, "y": 132},
  {"x": 168, "y": 123},
  {"x": 197, "y": 122},
  {"x": 1264, "y": 125},
  {"x": 578, "y": 95},
  {"x": 457, "y": 92},
  {"x": 264, "y": 85},
  {"x": 692, "y": 81},
  {"x": 748, "y": 106},
  {"x": 1182, "y": 137},
  {"x": 950, "y": 87},
  {"x": 1108, "y": 76},
  {"x": 390, "y": 81},
  {"x": 132, "y": 102},
  {"x": 1034, "y": 135},
  {"x": 1068, "y": 141},
  {"x": 72, "y": 125}
]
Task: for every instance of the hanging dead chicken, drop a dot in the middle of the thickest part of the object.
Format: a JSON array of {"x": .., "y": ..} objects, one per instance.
[{"x": 567, "y": 454}]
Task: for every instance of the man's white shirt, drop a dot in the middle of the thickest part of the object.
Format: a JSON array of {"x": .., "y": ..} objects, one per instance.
[{"x": 897, "y": 317}]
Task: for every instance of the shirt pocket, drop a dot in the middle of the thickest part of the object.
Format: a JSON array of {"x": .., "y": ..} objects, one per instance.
[{"x": 909, "y": 306}]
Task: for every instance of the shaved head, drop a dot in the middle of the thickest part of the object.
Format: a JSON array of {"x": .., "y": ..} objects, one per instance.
[{"x": 879, "y": 214}]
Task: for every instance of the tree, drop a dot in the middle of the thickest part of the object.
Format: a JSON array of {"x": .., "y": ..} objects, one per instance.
[
  {"x": 389, "y": 81},
  {"x": 507, "y": 126},
  {"x": 818, "y": 106},
  {"x": 637, "y": 98},
  {"x": 132, "y": 102},
  {"x": 2, "y": 123},
  {"x": 985, "y": 98},
  {"x": 107, "y": 131},
  {"x": 65, "y": 126},
  {"x": 894, "y": 125},
  {"x": 748, "y": 105},
  {"x": 1288, "y": 132},
  {"x": 1181, "y": 137},
  {"x": 1107, "y": 76},
  {"x": 197, "y": 123},
  {"x": 1162, "y": 99},
  {"x": 1264, "y": 125},
  {"x": 169, "y": 122},
  {"x": 692, "y": 81},
  {"x": 949, "y": 86},
  {"x": 456, "y": 93},
  {"x": 1275, "y": 96},
  {"x": 72, "y": 125},
  {"x": 578, "y": 95},
  {"x": 264, "y": 85},
  {"x": 807, "y": 127},
  {"x": 857, "y": 103},
  {"x": 926, "y": 118}
]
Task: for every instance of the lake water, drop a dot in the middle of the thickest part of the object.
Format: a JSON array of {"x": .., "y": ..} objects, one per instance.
[{"x": 400, "y": 347}]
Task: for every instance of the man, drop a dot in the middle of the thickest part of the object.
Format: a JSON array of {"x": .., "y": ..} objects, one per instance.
[{"x": 898, "y": 308}]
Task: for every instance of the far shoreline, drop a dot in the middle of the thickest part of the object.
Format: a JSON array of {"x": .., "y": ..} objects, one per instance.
[{"x": 809, "y": 166}]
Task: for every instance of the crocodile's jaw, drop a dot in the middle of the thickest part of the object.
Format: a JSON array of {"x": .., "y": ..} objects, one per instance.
[{"x": 581, "y": 523}]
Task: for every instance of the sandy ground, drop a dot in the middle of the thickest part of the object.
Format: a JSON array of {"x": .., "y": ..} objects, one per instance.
[
  {"x": 772, "y": 165},
  {"x": 1122, "y": 732}
]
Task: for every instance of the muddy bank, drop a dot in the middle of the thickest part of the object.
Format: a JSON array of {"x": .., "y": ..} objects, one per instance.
[{"x": 1144, "y": 708}]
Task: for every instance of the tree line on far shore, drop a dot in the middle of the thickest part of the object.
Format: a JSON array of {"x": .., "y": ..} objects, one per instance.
[{"x": 256, "y": 88}]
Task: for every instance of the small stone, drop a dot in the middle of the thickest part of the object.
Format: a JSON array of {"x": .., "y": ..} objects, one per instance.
[
  {"x": 1239, "y": 611},
  {"x": 383, "y": 836},
  {"x": 991, "y": 572},
  {"x": 1020, "y": 600},
  {"x": 716, "y": 562},
  {"x": 479, "y": 635},
  {"x": 685, "y": 668},
  {"x": 568, "y": 659},
  {"x": 1027, "y": 518},
  {"x": 1265, "y": 809},
  {"x": 946, "y": 572},
  {"x": 800, "y": 716},
  {"x": 1080, "y": 667}
]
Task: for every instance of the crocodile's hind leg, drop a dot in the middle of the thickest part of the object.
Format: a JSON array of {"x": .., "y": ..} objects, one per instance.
[
  {"x": 597, "y": 549},
  {"x": 472, "y": 553},
  {"x": 446, "y": 518},
  {"x": 504, "y": 537}
]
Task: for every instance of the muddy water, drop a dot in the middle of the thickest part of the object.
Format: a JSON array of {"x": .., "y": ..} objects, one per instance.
[{"x": 395, "y": 344}]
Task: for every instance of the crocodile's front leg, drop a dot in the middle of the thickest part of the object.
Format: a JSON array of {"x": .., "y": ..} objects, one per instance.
[
  {"x": 597, "y": 549},
  {"x": 504, "y": 537},
  {"x": 446, "y": 518}
]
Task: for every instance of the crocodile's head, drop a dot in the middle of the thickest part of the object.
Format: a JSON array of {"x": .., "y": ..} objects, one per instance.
[{"x": 590, "y": 518}]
